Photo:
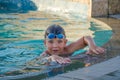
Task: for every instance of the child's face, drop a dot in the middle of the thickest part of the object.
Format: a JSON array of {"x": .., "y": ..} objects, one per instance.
[{"x": 55, "y": 46}]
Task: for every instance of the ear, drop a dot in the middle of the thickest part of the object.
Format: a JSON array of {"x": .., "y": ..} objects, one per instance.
[
  {"x": 45, "y": 42},
  {"x": 66, "y": 41}
]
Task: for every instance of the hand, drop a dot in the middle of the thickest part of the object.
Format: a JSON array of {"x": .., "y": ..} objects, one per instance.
[
  {"x": 96, "y": 50},
  {"x": 59, "y": 59}
]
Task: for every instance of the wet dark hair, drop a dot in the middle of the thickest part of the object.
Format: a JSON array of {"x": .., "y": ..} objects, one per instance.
[{"x": 56, "y": 29}]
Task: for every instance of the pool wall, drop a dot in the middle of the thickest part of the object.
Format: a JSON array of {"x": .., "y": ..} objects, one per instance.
[
  {"x": 105, "y": 7},
  {"x": 67, "y": 8},
  {"x": 83, "y": 8}
]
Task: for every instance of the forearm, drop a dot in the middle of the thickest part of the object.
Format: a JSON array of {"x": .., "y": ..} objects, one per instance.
[{"x": 89, "y": 41}]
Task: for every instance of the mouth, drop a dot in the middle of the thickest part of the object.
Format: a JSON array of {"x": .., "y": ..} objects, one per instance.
[{"x": 55, "y": 51}]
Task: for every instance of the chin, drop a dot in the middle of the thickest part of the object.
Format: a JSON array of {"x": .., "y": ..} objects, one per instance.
[{"x": 56, "y": 53}]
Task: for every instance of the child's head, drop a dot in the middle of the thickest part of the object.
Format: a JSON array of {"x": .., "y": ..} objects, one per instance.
[
  {"x": 55, "y": 39},
  {"x": 54, "y": 29}
]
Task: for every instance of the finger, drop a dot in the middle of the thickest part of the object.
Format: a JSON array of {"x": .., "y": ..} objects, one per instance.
[
  {"x": 95, "y": 51},
  {"x": 59, "y": 61},
  {"x": 100, "y": 50},
  {"x": 89, "y": 52},
  {"x": 103, "y": 50},
  {"x": 62, "y": 61},
  {"x": 67, "y": 60}
]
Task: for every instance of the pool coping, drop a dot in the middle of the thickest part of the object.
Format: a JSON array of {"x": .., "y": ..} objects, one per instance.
[{"x": 91, "y": 72}]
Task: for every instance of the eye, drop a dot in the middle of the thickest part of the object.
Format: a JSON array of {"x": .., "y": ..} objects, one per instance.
[
  {"x": 50, "y": 41},
  {"x": 60, "y": 41}
]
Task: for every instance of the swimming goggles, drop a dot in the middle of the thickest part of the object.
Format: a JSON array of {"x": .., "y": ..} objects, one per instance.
[{"x": 52, "y": 36}]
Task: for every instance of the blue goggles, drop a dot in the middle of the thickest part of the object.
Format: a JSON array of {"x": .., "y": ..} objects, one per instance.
[{"x": 52, "y": 36}]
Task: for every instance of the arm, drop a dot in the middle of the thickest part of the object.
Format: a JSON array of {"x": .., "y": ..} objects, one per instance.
[
  {"x": 83, "y": 42},
  {"x": 59, "y": 59},
  {"x": 46, "y": 59},
  {"x": 92, "y": 46},
  {"x": 50, "y": 59}
]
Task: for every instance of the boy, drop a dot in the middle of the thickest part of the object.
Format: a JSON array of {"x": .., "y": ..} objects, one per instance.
[{"x": 57, "y": 50}]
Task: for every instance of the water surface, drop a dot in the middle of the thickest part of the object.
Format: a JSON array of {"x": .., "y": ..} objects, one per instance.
[{"x": 22, "y": 36}]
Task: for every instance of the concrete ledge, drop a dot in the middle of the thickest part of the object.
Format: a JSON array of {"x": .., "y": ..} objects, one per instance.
[
  {"x": 117, "y": 16},
  {"x": 92, "y": 72}
]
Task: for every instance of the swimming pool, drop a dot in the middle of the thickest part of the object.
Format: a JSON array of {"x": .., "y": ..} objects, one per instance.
[{"x": 22, "y": 35}]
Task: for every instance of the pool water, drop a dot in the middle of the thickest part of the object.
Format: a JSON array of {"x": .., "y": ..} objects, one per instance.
[{"x": 22, "y": 35}]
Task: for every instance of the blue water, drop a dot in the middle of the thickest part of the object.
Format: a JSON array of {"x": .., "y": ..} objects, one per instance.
[{"x": 21, "y": 40}]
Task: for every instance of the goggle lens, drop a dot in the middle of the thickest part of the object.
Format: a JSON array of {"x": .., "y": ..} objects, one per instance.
[{"x": 52, "y": 35}]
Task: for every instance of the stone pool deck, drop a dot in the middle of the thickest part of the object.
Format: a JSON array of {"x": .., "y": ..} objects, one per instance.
[{"x": 109, "y": 68}]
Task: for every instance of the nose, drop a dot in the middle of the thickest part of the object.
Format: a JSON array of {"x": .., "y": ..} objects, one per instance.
[{"x": 55, "y": 44}]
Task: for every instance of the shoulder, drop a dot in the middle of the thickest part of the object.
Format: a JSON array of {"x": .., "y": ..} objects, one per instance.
[
  {"x": 76, "y": 45},
  {"x": 44, "y": 54},
  {"x": 66, "y": 52}
]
